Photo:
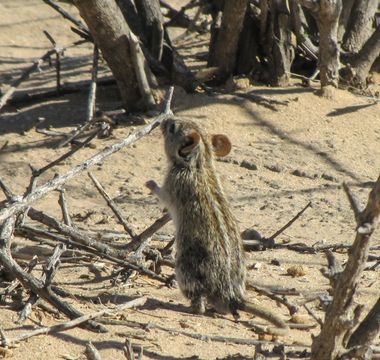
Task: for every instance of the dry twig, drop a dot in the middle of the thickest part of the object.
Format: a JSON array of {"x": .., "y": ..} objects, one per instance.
[
  {"x": 65, "y": 210},
  {"x": 140, "y": 241},
  {"x": 25, "y": 75},
  {"x": 90, "y": 103},
  {"x": 93, "y": 250},
  {"x": 28, "y": 280},
  {"x": 49, "y": 271},
  {"x": 289, "y": 223},
  {"x": 76, "y": 322},
  {"x": 113, "y": 206},
  {"x": 67, "y": 16},
  {"x": 92, "y": 353}
]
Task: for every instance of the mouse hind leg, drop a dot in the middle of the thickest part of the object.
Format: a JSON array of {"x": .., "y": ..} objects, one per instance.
[
  {"x": 198, "y": 304},
  {"x": 234, "y": 307}
]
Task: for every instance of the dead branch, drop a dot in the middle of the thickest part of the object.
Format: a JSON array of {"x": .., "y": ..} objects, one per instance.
[
  {"x": 113, "y": 206},
  {"x": 192, "y": 26},
  {"x": 303, "y": 42},
  {"x": 49, "y": 271},
  {"x": 15, "y": 283},
  {"x": 91, "y": 352},
  {"x": 67, "y": 16},
  {"x": 142, "y": 71},
  {"x": 63, "y": 204},
  {"x": 93, "y": 250},
  {"x": 38, "y": 172},
  {"x": 112, "y": 33},
  {"x": 4, "y": 146},
  {"x": 289, "y": 223},
  {"x": 313, "y": 314},
  {"x": 58, "y": 181},
  {"x": 90, "y": 103},
  {"x": 341, "y": 316},
  {"x": 25, "y": 75},
  {"x": 58, "y": 53},
  {"x": 177, "y": 18},
  {"x": 140, "y": 240},
  {"x": 7, "y": 192},
  {"x": 355, "y": 206},
  {"x": 128, "y": 350},
  {"x": 28, "y": 280},
  {"x": 66, "y": 89},
  {"x": 357, "y": 72},
  {"x": 92, "y": 90},
  {"x": 76, "y": 322},
  {"x": 334, "y": 268},
  {"x": 260, "y": 242},
  {"x": 73, "y": 233}
]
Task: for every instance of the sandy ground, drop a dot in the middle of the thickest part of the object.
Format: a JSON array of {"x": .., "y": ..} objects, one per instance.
[{"x": 297, "y": 151}]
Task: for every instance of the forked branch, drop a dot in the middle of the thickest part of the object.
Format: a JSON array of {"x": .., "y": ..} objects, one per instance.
[{"x": 342, "y": 314}]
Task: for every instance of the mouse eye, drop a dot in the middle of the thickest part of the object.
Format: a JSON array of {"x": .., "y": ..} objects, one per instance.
[{"x": 172, "y": 128}]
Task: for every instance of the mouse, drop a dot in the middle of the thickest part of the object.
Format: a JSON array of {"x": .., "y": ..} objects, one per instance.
[{"x": 210, "y": 266}]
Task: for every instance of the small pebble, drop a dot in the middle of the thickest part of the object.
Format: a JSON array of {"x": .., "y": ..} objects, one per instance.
[
  {"x": 248, "y": 165},
  {"x": 296, "y": 271},
  {"x": 275, "y": 262},
  {"x": 251, "y": 234},
  {"x": 300, "y": 319}
]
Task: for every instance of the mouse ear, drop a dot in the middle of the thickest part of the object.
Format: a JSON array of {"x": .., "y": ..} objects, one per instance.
[
  {"x": 191, "y": 141},
  {"x": 221, "y": 144}
]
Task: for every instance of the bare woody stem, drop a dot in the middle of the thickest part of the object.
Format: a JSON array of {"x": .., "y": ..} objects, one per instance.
[{"x": 341, "y": 315}]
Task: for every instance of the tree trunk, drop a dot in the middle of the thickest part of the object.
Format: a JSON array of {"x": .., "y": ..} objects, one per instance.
[
  {"x": 328, "y": 46},
  {"x": 113, "y": 37},
  {"x": 279, "y": 49},
  {"x": 129, "y": 11},
  {"x": 360, "y": 24},
  {"x": 344, "y": 18},
  {"x": 327, "y": 14},
  {"x": 150, "y": 12},
  {"x": 303, "y": 42},
  {"x": 246, "y": 57},
  {"x": 358, "y": 71},
  {"x": 223, "y": 55}
]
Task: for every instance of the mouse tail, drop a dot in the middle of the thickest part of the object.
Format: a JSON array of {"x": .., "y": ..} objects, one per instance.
[{"x": 255, "y": 309}]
